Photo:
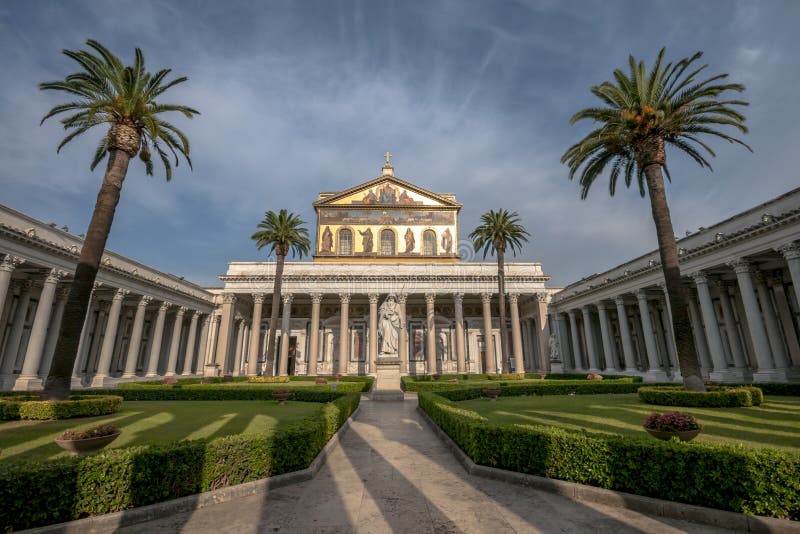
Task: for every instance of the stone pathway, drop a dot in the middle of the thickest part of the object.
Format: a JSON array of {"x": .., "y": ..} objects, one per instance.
[{"x": 390, "y": 473}]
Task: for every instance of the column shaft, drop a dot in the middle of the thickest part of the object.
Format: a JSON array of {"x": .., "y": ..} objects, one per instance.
[
  {"x": 35, "y": 349},
  {"x": 313, "y": 350},
  {"x": 17, "y": 327},
  {"x": 344, "y": 333},
  {"x": 625, "y": 334},
  {"x": 516, "y": 334},
  {"x": 202, "y": 346},
  {"x": 7, "y": 267},
  {"x": 254, "y": 358},
  {"x": 588, "y": 332},
  {"x": 605, "y": 333},
  {"x": 52, "y": 332},
  {"x": 753, "y": 315},
  {"x": 430, "y": 333},
  {"x": 699, "y": 335},
  {"x": 109, "y": 339},
  {"x": 735, "y": 342},
  {"x": 489, "y": 362},
  {"x": 225, "y": 333},
  {"x": 373, "y": 331},
  {"x": 543, "y": 332},
  {"x": 713, "y": 336},
  {"x": 787, "y": 322},
  {"x": 577, "y": 352},
  {"x": 285, "y": 334},
  {"x": 136, "y": 338},
  {"x": 403, "y": 350},
  {"x": 654, "y": 373},
  {"x": 771, "y": 322},
  {"x": 158, "y": 336},
  {"x": 458, "y": 304},
  {"x": 791, "y": 251},
  {"x": 175, "y": 342},
  {"x": 188, "y": 358}
]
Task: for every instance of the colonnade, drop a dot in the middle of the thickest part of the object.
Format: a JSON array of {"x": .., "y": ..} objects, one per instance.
[{"x": 743, "y": 314}]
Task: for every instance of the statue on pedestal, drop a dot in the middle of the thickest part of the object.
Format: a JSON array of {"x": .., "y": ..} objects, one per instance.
[{"x": 389, "y": 326}]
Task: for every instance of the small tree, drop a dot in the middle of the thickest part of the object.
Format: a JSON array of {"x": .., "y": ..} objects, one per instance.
[
  {"x": 643, "y": 112},
  {"x": 107, "y": 93},
  {"x": 500, "y": 231},
  {"x": 283, "y": 232}
]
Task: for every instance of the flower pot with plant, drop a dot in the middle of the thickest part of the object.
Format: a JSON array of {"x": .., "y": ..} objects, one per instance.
[
  {"x": 281, "y": 395},
  {"x": 665, "y": 426},
  {"x": 86, "y": 441}
]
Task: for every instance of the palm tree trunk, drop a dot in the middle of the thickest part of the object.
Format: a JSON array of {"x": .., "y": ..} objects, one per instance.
[
  {"x": 676, "y": 291},
  {"x": 273, "y": 318},
  {"x": 59, "y": 377},
  {"x": 505, "y": 361}
]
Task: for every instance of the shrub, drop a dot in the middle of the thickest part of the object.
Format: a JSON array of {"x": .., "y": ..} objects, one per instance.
[
  {"x": 671, "y": 422},
  {"x": 219, "y": 393},
  {"x": 267, "y": 379},
  {"x": 507, "y": 376},
  {"x": 43, "y": 493},
  {"x": 30, "y": 407},
  {"x": 714, "y": 397},
  {"x": 459, "y": 392},
  {"x": 96, "y": 432},
  {"x": 751, "y": 481}
]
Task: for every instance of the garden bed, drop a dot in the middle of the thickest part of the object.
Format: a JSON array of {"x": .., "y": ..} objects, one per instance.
[
  {"x": 713, "y": 397},
  {"x": 32, "y": 407}
]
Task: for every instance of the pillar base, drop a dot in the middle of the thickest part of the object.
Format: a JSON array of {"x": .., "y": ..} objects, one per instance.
[
  {"x": 77, "y": 382},
  {"x": 28, "y": 383},
  {"x": 104, "y": 381},
  {"x": 655, "y": 375},
  {"x": 730, "y": 375},
  {"x": 593, "y": 370},
  {"x": 151, "y": 375},
  {"x": 610, "y": 371},
  {"x": 130, "y": 376},
  {"x": 210, "y": 370},
  {"x": 771, "y": 375}
]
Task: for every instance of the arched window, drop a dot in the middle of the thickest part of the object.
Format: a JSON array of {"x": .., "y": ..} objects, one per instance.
[
  {"x": 345, "y": 242},
  {"x": 428, "y": 243},
  {"x": 387, "y": 243}
]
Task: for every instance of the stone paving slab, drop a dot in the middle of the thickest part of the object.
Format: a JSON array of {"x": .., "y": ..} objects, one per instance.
[{"x": 391, "y": 473}]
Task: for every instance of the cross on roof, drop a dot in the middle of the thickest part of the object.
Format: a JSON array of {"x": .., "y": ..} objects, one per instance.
[{"x": 388, "y": 156}]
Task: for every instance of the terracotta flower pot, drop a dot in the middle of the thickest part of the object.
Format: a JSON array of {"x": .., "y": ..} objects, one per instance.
[
  {"x": 492, "y": 393},
  {"x": 683, "y": 435},
  {"x": 87, "y": 445},
  {"x": 281, "y": 395}
]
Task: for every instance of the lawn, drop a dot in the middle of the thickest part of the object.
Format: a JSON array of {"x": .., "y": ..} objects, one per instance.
[
  {"x": 151, "y": 422},
  {"x": 776, "y": 423}
]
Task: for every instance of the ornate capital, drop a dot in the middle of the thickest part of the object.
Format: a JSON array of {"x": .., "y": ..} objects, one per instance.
[
  {"x": 373, "y": 298},
  {"x": 603, "y": 305},
  {"x": 63, "y": 293},
  {"x": 430, "y": 298},
  {"x": 513, "y": 298},
  {"x": 11, "y": 262},
  {"x": 740, "y": 266},
  {"x": 486, "y": 298},
  {"x": 287, "y": 298},
  {"x": 700, "y": 278},
  {"x": 96, "y": 286},
  {"x": 182, "y": 310},
  {"x": 145, "y": 300},
  {"x": 316, "y": 298},
  {"x": 458, "y": 299},
  {"x": 228, "y": 298},
  {"x": 258, "y": 298},
  {"x": 54, "y": 276},
  {"x": 164, "y": 307},
  {"x": 640, "y": 294},
  {"x": 120, "y": 294},
  {"x": 543, "y": 297},
  {"x": 619, "y": 301},
  {"x": 790, "y": 251},
  {"x": 344, "y": 298}
]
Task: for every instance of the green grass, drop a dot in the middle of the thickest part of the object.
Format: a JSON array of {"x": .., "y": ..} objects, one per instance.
[
  {"x": 776, "y": 423},
  {"x": 153, "y": 422}
]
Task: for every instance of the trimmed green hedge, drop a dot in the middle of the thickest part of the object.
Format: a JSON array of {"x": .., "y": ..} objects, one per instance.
[
  {"x": 218, "y": 393},
  {"x": 751, "y": 481},
  {"x": 35, "y": 494},
  {"x": 774, "y": 388},
  {"x": 30, "y": 407},
  {"x": 427, "y": 383},
  {"x": 713, "y": 397},
  {"x": 267, "y": 379},
  {"x": 465, "y": 390}
]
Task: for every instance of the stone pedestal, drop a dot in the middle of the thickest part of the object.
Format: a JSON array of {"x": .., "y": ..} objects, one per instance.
[
  {"x": 210, "y": 370},
  {"x": 387, "y": 386}
]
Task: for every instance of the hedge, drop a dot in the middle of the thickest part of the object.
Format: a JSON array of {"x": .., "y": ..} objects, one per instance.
[
  {"x": 218, "y": 393},
  {"x": 267, "y": 379},
  {"x": 751, "y": 481},
  {"x": 41, "y": 493},
  {"x": 713, "y": 397},
  {"x": 31, "y": 407},
  {"x": 560, "y": 387}
]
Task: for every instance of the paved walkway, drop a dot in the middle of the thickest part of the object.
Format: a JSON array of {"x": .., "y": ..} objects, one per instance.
[{"x": 390, "y": 473}]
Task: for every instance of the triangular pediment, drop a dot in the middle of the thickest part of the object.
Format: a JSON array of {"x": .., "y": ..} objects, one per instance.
[{"x": 387, "y": 191}]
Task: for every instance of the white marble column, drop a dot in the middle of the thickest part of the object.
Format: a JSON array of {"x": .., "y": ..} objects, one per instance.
[
  {"x": 669, "y": 336},
  {"x": 242, "y": 341},
  {"x": 313, "y": 347},
  {"x": 101, "y": 378},
  {"x": 158, "y": 336},
  {"x": 15, "y": 335},
  {"x": 62, "y": 294},
  {"x": 720, "y": 372},
  {"x": 699, "y": 337},
  {"x": 430, "y": 333},
  {"x": 29, "y": 376},
  {"x": 286, "y": 317},
  {"x": 135, "y": 344},
  {"x": 403, "y": 350},
  {"x": 605, "y": 334},
  {"x": 785, "y": 313},
  {"x": 563, "y": 342},
  {"x": 7, "y": 267},
  {"x": 625, "y": 334},
  {"x": 516, "y": 333},
  {"x": 791, "y": 251},
  {"x": 654, "y": 372},
  {"x": 210, "y": 366},
  {"x": 175, "y": 342},
  {"x": 80, "y": 360},
  {"x": 373, "y": 331},
  {"x": 577, "y": 351},
  {"x": 490, "y": 363},
  {"x": 543, "y": 331},
  {"x": 458, "y": 305},
  {"x": 734, "y": 340},
  {"x": 755, "y": 324},
  {"x": 254, "y": 358},
  {"x": 225, "y": 333},
  {"x": 202, "y": 346},
  {"x": 188, "y": 358},
  {"x": 588, "y": 332},
  {"x": 237, "y": 348},
  {"x": 344, "y": 333},
  {"x": 779, "y": 356}
]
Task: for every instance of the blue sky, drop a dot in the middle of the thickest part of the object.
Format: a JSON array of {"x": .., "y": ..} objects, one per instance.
[{"x": 472, "y": 98}]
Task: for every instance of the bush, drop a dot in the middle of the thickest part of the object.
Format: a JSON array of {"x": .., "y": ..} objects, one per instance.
[
  {"x": 575, "y": 376},
  {"x": 507, "y": 376},
  {"x": 30, "y": 407},
  {"x": 220, "y": 393},
  {"x": 36, "y": 494},
  {"x": 458, "y": 392},
  {"x": 267, "y": 379},
  {"x": 714, "y": 397},
  {"x": 751, "y": 481}
]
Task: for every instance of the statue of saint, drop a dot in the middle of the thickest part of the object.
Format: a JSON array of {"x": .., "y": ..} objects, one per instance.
[
  {"x": 409, "y": 240},
  {"x": 447, "y": 241},
  {"x": 441, "y": 345},
  {"x": 555, "y": 349},
  {"x": 366, "y": 240},
  {"x": 389, "y": 326},
  {"x": 327, "y": 240}
]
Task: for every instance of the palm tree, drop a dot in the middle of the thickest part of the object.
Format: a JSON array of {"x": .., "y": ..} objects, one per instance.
[
  {"x": 122, "y": 98},
  {"x": 642, "y": 113},
  {"x": 283, "y": 232},
  {"x": 500, "y": 231}
]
